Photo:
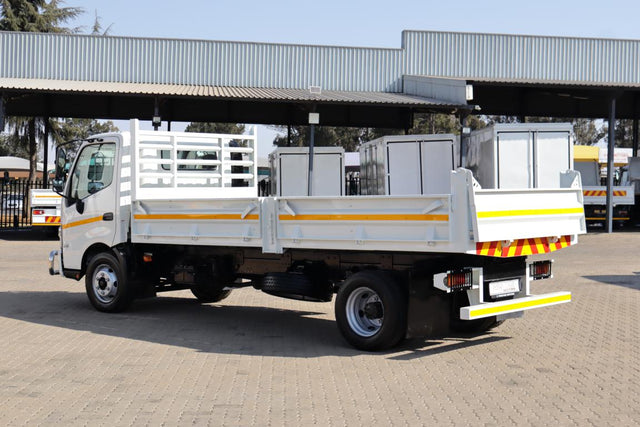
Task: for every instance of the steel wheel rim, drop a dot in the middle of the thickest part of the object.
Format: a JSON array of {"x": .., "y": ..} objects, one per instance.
[
  {"x": 105, "y": 283},
  {"x": 359, "y": 321}
]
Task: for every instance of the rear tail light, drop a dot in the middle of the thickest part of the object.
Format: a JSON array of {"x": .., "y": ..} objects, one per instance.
[
  {"x": 540, "y": 270},
  {"x": 458, "y": 280},
  {"x": 38, "y": 212}
]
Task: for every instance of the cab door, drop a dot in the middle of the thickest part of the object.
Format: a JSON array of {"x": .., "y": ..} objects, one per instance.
[{"x": 89, "y": 207}]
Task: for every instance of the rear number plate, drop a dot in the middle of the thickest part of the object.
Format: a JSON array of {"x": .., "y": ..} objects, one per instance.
[{"x": 504, "y": 287}]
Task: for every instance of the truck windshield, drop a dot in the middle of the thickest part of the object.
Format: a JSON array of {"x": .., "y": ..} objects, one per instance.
[{"x": 93, "y": 170}]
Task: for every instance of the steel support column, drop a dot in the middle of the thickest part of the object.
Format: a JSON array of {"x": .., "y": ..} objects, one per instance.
[
  {"x": 635, "y": 138},
  {"x": 464, "y": 137},
  {"x": 311, "y": 144},
  {"x": 2, "y": 113},
  {"x": 610, "y": 150},
  {"x": 634, "y": 151},
  {"x": 45, "y": 142}
]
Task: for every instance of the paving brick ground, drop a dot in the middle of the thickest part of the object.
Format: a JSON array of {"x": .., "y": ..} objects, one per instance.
[{"x": 260, "y": 360}]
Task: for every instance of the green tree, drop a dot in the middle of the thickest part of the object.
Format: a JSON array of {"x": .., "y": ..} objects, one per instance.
[
  {"x": 476, "y": 122},
  {"x": 78, "y": 129},
  {"x": 203, "y": 127},
  {"x": 33, "y": 16},
  {"x": 587, "y": 132},
  {"x": 624, "y": 133},
  {"x": 435, "y": 123},
  {"x": 97, "y": 29},
  {"x": 350, "y": 138},
  {"x": 347, "y": 137}
]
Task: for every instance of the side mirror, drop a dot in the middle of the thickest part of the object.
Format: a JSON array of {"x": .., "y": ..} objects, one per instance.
[
  {"x": 61, "y": 164},
  {"x": 57, "y": 185},
  {"x": 80, "y": 206}
]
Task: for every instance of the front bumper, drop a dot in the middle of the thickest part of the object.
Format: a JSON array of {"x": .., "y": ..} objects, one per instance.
[
  {"x": 52, "y": 262},
  {"x": 480, "y": 311}
]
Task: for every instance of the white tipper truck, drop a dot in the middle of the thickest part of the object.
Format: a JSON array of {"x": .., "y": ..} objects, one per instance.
[
  {"x": 45, "y": 208},
  {"x": 588, "y": 162},
  {"x": 146, "y": 212}
]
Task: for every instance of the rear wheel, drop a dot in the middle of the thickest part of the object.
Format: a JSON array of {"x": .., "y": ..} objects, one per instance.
[
  {"x": 209, "y": 287},
  {"x": 371, "y": 311},
  {"x": 207, "y": 294},
  {"x": 106, "y": 284}
]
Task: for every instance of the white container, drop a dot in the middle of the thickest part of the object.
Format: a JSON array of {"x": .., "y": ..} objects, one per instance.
[
  {"x": 521, "y": 155},
  {"x": 407, "y": 165},
  {"x": 290, "y": 171}
]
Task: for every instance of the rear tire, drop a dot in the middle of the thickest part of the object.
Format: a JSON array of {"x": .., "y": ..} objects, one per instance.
[
  {"x": 209, "y": 294},
  {"x": 106, "y": 284},
  {"x": 371, "y": 311}
]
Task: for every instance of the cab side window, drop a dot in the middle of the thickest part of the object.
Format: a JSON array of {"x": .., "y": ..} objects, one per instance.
[{"x": 94, "y": 170}]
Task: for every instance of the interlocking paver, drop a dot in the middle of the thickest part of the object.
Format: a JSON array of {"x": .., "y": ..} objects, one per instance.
[{"x": 259, "y": 360}]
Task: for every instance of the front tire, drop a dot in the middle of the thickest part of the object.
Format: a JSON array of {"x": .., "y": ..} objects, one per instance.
[
  {"x": 106, "y": 284},
  {"x": 371, "y": 311}
]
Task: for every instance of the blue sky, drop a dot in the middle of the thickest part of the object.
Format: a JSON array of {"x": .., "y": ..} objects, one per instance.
[{"x": 371, "y": 23}]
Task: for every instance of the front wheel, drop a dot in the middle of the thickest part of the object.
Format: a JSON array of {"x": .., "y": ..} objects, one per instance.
[
  {"x": 371, "y": 311},
  {"x": 106, "y": 284}
]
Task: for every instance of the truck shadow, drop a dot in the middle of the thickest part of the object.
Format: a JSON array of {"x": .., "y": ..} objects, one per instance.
[
  {"x": 417, "y": 348},
  {"x": 627, "y": 281},
  {"x": 182, "y": 322},
  {"x": 28, "y": 234}
]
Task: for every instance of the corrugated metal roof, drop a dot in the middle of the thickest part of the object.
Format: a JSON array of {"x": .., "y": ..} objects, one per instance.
[
  {"x": 198, "y": 62},
  {"x": 285, "y": 72},
  {"x": 522, "y": 58},
  {"x": 551, "y": 82},
  {"x": 265, "y": 94}
]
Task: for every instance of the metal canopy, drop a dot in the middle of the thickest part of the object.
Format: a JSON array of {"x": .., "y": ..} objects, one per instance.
[
  {"x": 553, "y": 99},
  {"x": 108, "y": 100}
]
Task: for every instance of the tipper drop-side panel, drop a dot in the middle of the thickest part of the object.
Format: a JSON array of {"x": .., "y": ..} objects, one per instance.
[{"x": 452, "y": 223}]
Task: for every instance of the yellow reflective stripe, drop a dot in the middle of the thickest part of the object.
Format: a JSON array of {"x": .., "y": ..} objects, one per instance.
[
  {"x": 47, "y": 197},
  {"x": 365, "y": 217},
  {"x": 528, "y": 212},
  {"x": 518, "y": 306},
  {"x": 82, "y": 222},
  {"x": 195, "y": 216}
]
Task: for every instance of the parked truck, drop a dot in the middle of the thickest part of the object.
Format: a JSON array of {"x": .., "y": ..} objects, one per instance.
[
  {"x": 45, "y": 209},
  {"x": 588, "y": 161},
  {"x": 147, "y": 212}
]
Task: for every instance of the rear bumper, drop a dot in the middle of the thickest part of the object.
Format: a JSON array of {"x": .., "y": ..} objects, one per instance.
[
  {"x": 514, "y": 305},
  {"x": 45, "y": 220}
]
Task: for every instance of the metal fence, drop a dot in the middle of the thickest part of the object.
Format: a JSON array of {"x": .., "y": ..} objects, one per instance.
[
  {"x": 15, "y": 209},
  {"x": 352, "y": 185}
]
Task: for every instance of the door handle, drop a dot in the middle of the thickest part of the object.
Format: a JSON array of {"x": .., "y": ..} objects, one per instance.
[{"x": 108, "y": 216}]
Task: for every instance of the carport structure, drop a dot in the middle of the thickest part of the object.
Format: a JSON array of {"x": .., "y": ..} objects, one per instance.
[{"x": 56, "y": 75}]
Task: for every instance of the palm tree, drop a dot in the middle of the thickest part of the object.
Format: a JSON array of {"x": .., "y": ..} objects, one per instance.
[{"x": 33, "y": 16}]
